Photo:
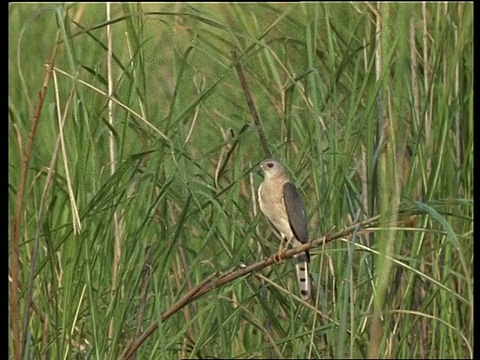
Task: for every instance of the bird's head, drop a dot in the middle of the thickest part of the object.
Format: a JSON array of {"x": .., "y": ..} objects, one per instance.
[{"x": 271, "y": 168}]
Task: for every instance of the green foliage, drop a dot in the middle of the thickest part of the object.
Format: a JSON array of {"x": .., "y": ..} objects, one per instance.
[{"x": 133, "y": 199}]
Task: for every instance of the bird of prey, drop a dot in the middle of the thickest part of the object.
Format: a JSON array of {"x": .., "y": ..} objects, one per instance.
[{"x": 283, "y": 208}]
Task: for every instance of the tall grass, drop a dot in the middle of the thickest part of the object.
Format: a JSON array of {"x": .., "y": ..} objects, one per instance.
[{"x": 132, "y": 178}]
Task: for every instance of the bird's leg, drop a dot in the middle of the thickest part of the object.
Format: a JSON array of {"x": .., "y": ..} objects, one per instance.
[{"x": 280, "y": 255}]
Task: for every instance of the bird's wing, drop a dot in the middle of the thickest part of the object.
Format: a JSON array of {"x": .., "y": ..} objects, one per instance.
[{"x": 295, "y": 212}]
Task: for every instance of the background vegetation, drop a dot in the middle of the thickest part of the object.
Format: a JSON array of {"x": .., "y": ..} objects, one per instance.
[{"x": 134, "y": 178}]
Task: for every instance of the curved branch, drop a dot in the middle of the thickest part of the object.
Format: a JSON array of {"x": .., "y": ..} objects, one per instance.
[{"x": 211, "y": 283}]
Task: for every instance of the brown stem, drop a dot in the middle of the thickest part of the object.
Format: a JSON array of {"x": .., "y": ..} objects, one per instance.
[
  {"x": 251, "y": 104},
  {"x": 18, "y": 340},
  {"x": 209, "y": 284}
]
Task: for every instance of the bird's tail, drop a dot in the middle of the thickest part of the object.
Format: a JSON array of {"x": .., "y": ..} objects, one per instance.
[{"x": 303, "y": 277}]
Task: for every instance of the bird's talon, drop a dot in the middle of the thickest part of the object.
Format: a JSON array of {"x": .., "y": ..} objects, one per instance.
[{"x": 279, "y": 256}]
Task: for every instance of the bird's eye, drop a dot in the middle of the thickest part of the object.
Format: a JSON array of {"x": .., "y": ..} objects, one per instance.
[{"x": 270, "y": 165}]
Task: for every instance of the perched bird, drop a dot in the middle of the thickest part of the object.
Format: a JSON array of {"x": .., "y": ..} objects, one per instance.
[{"x": 283, "y": 208}]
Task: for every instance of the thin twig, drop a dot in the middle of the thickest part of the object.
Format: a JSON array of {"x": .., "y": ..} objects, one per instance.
[
  {"x": 251, "y": 105},
  {"x": 129, "y": 351},
  {"x": 46, "y": 190},
  {"x": 18, "y": 342}
]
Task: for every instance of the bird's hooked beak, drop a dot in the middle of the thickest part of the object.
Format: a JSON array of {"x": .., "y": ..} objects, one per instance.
[{"x": 260, "y": 171}]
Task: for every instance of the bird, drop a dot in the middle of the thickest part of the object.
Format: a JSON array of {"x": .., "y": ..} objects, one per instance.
[{"x": 284, "y": 211}]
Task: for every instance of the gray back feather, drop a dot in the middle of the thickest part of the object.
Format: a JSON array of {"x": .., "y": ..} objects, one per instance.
[{"x": 295, "y": 211}]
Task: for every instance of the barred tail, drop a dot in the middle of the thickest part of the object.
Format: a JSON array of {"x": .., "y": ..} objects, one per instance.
[{"x": 303, "y": 276}]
